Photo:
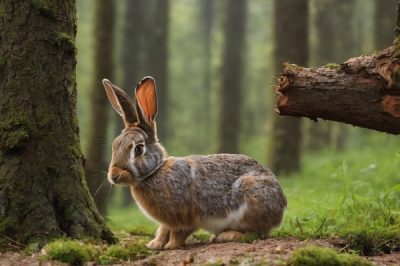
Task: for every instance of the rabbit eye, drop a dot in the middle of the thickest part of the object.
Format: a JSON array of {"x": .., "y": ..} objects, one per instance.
[{"x": 139, "y": 149}]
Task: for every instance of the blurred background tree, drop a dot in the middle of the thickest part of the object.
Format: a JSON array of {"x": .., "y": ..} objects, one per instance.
[
  {"x": 291, "y": 28},
  {"x": 199, "y": 68},
  {"x": 103, "y": 68}
]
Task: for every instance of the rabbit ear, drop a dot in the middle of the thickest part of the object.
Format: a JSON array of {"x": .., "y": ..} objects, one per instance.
[
  {"x": 121, "y": 103},
  {"x": 146, "y": 100}
]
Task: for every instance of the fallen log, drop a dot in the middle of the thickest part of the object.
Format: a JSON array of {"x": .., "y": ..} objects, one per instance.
[{"x": 364, "y": 91}]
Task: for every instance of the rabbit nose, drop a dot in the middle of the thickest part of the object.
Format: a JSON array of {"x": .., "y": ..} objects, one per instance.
[{"x": 115, "y": 178}]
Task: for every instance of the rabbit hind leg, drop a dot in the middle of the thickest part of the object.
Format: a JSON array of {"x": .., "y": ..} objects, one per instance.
[{"x": 177, "y": 238}]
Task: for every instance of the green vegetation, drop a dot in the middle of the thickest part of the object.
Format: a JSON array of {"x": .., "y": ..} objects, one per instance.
[
  {"x": 14, "y": 132},
  {"x": 315, "y": 256},
  {"x": 78, "y": 252},
  {"x": 333, "y": 66},
  {"x": 70, "y": 251},
  {"x": 118, "y": 253}
]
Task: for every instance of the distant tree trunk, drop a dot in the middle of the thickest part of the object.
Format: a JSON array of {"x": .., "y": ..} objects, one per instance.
[
  {"x": 158, "y": 60},
  {"x": 320, "y": 133},
  {"x": 43, "y": 193},
  {"x": 347, "y": 45},
  {"x": 133, "y": 57},
  {"x": 385, "y": 18},
  {"x": 232, "y": 77},
  {"x": 207, "y": 21},
  {"x": 291, "y": 28},
  {"x": 96, "y": 164}
]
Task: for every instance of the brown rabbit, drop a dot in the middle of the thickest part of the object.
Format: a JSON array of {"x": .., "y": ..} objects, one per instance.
[{"x": 226, "y": 194}]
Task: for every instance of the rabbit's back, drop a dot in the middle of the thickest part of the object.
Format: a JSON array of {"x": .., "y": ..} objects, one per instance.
[{"x": 214, "y": 192}]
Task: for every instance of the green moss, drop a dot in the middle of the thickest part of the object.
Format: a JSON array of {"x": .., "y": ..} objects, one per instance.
[
  {"x": 293, "y": 66},
  {"x": 310, "y": 256},
  {"x": 2, "y": 62},
  {"x": 397, "y": 48},
  {"x": 118, "y": 253},
  {"x": 201, "y": 236},
  {"x": 63, "y": 39},
  {"x": 46, "y": 8},
  {"x": 217, "y": 262},
  {"x": 373, "y": 242},
  {"x": 249, "y": 237},
  {"x": 333, "y": 66},
  {"x": 70, "y": 251},
  {"x": 141, "y": 231},
  {"x": 14, "y": 132}
]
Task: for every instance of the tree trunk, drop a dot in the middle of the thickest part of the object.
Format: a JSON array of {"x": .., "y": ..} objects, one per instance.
[
  {"x": 348, "y": 43},
  {"x": 158, "y": 60},
  {"x": 385, "y": 18},
  {"x": 43, "y": 193},
  {"x": 363, "y": 91},
  {"x": 133, "y": 58},
  {"x": 291, "y": 27},
  {"x": 319, "y": 136},
  {"x": 207, "y": 21},
  {"x": 96, "y": 164},
  {"x": 232, "y": 77}
]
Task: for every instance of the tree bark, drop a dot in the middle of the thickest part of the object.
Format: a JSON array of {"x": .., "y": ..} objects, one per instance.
[
  {"x": 291, "y": 27},
  {"x": 43, "y": 193},
  {"x": 363, "y": 91},
  {"x": 232, "y": 77},
  {"x": 96, "y": 164}
]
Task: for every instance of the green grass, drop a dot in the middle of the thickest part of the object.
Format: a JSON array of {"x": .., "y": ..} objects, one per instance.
[
  {"x": 354, "y": 195},
  {"x": 316, "y": 256},
  {"x": 336, "y": 194}
]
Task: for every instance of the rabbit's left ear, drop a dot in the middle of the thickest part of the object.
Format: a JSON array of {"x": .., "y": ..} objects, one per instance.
[{"x": 146, "y": 100}]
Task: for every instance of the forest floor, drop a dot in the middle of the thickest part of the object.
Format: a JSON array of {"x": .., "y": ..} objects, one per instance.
[{"x": 274, "y": 251}]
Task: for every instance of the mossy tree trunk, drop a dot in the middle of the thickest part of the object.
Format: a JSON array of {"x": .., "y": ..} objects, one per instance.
[
  {"x": 364, "y": 91},
  {"x": 291, "y": 44},
  {"x": 43, "y": 193},
  {"x": 96, "y": 164},
  {"x": 230, "y": 92}
]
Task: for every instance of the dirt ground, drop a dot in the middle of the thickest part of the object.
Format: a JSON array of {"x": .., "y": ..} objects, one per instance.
[{"x": 268, "y": 252}]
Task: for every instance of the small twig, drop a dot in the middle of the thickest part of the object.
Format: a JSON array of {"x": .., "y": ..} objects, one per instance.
[{"x": 12, "y": 240}]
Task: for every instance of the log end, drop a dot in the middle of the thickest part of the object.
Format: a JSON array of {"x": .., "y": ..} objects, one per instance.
[{"x": 391, "y": 105}]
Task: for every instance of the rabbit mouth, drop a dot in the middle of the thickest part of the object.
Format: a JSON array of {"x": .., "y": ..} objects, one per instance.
[{"x": 120, "y": 176}]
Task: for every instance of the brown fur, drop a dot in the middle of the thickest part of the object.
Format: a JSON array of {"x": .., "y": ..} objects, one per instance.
[{"x": 226, "y": 194}]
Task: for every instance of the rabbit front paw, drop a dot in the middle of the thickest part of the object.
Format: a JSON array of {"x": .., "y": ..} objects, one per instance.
[
  {"x": 155, "y": 245},
  {"x": 172, "y": 245}
]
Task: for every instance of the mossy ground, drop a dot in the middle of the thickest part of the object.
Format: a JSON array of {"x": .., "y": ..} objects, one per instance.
[
  {"x": 316, "y": 256},
  {"x": 77, "y": 252}
]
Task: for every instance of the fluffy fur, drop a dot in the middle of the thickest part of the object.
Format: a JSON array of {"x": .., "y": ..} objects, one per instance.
[{"x": 227, "y": 194}]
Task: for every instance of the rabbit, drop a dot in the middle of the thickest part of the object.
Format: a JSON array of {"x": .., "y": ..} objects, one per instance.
[{"x": 226, "y": 194}]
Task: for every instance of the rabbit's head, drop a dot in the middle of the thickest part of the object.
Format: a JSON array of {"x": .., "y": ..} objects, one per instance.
[{"x": 136, "y": 152}]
